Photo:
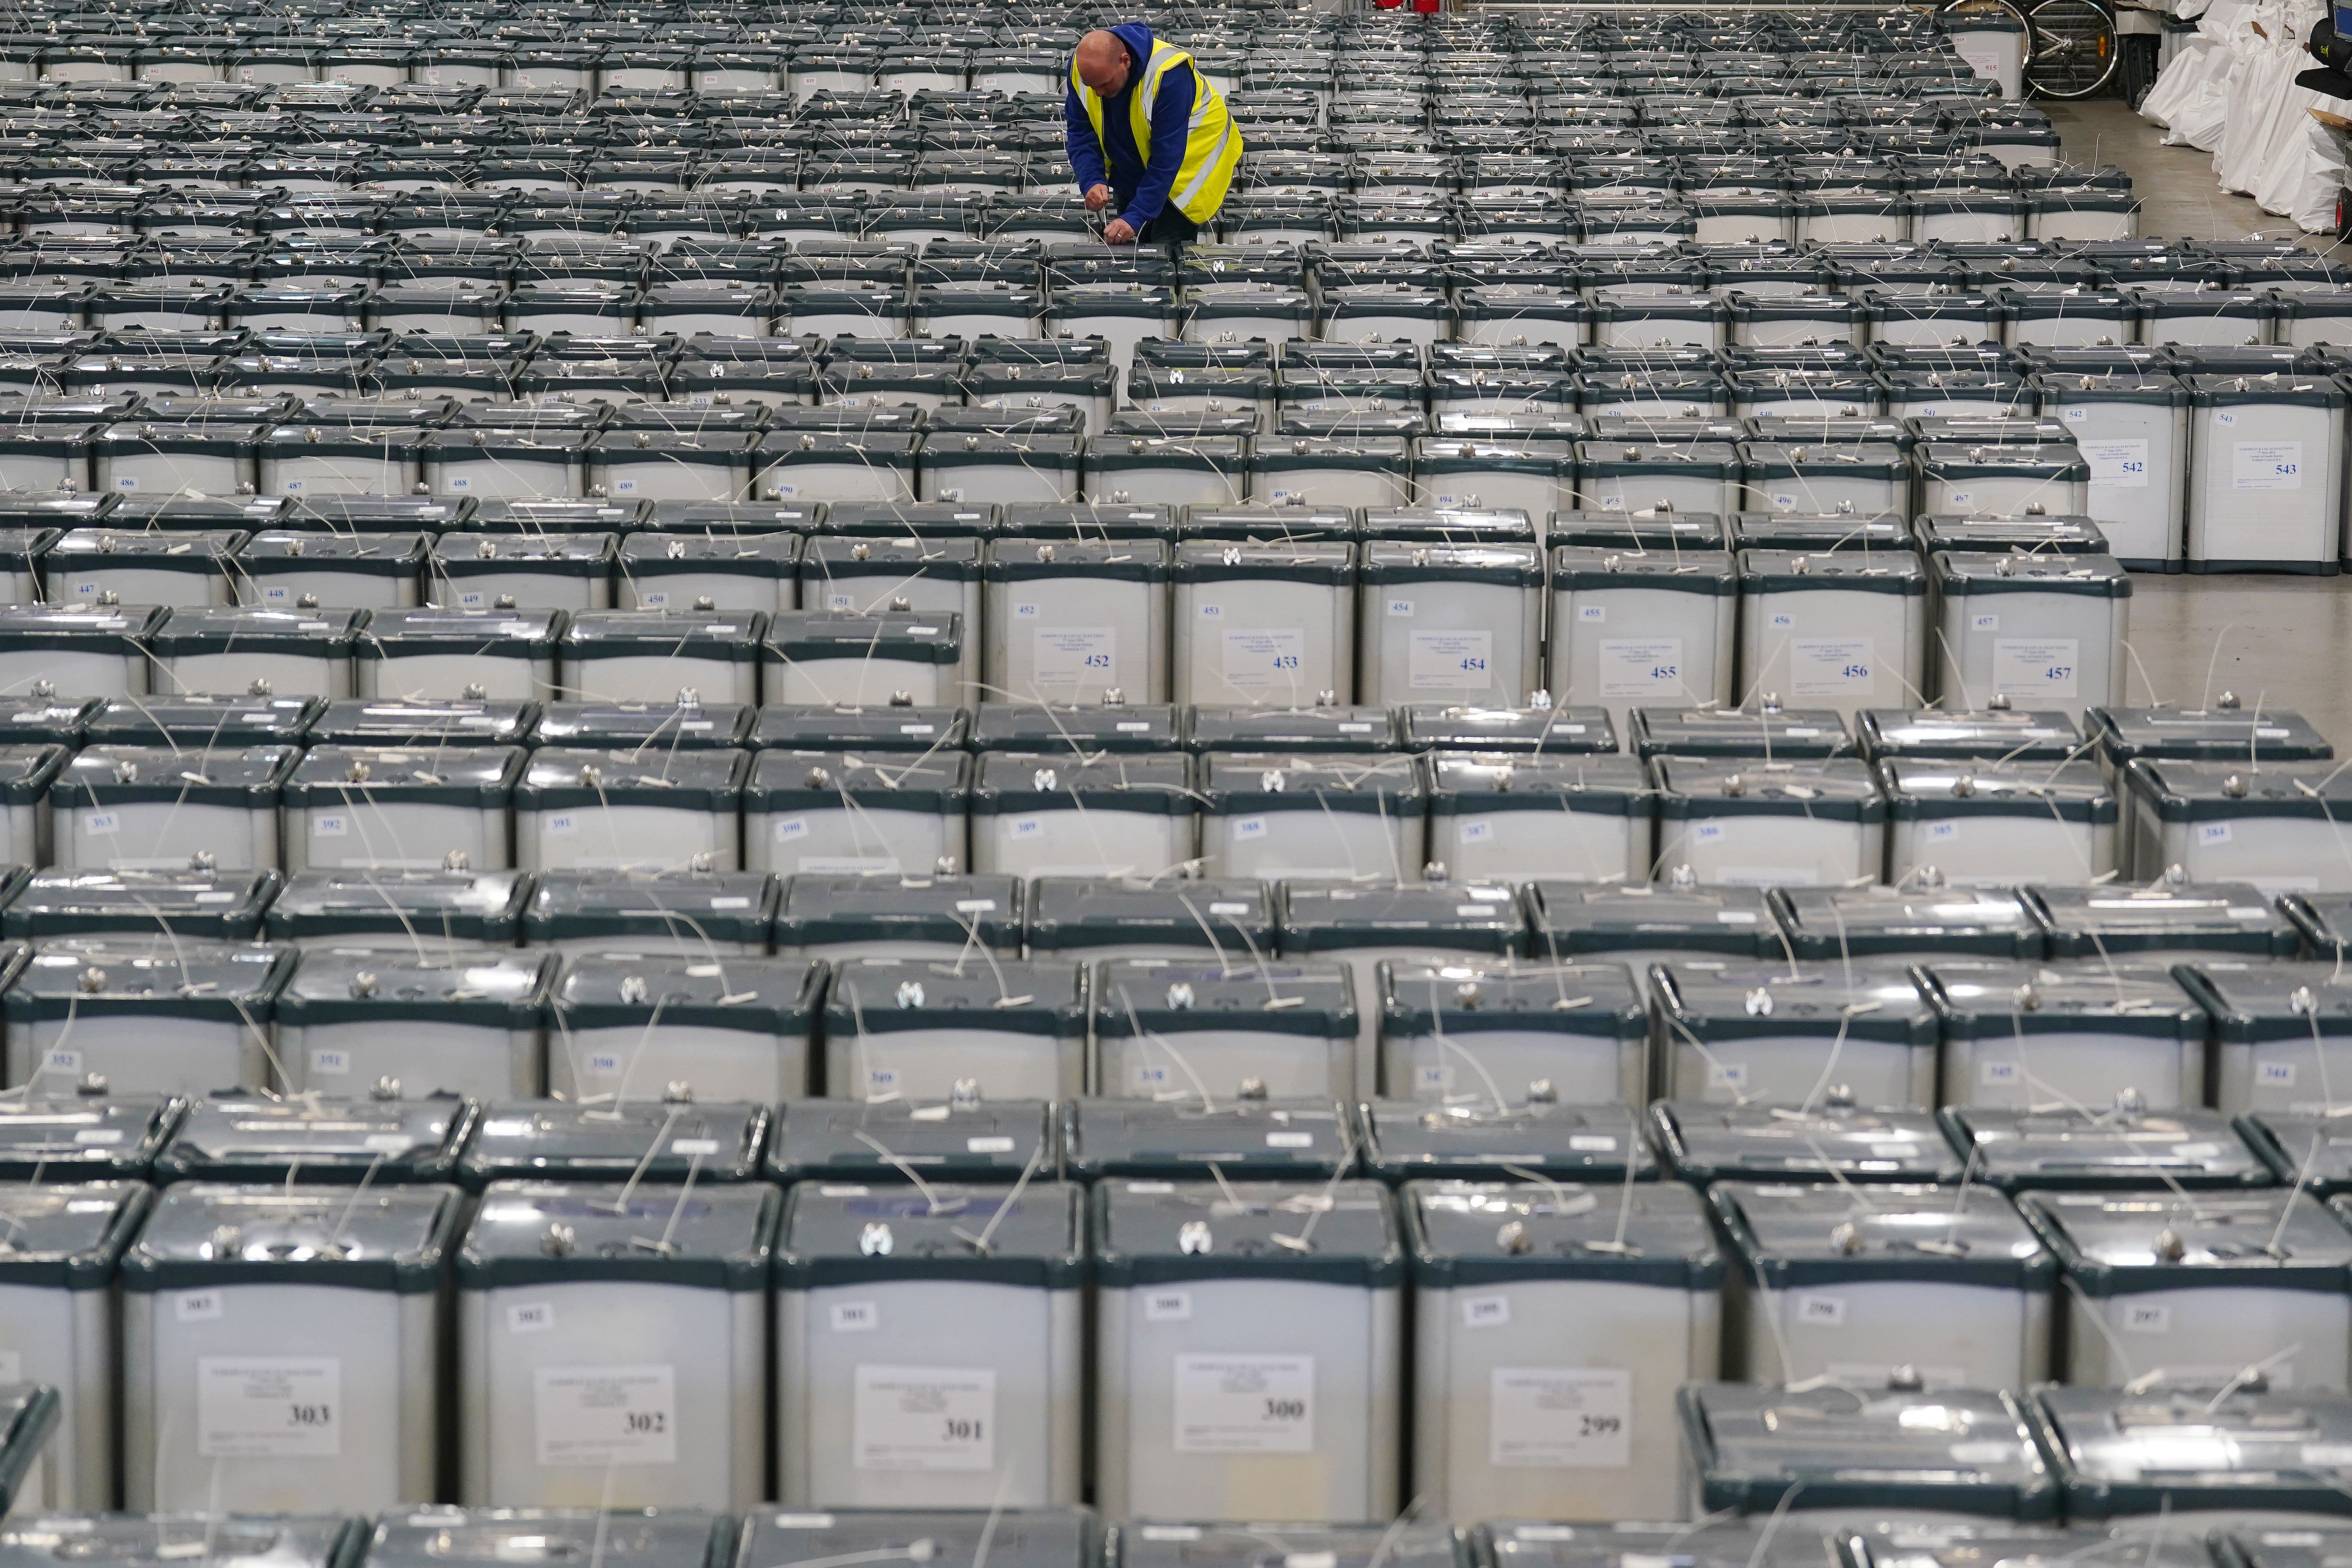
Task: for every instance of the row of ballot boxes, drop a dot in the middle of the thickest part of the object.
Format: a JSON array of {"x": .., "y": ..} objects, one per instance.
[
  {"x": 1239, "y": 1347},
  {"x": 1266, "y": 624},
  {"x": 1078, "y": 1538},
  {"x": 2223, "y": 1018}
]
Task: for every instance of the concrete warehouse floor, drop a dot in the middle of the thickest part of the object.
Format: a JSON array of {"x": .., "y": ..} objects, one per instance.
[{"x": 2284, "y": 641}]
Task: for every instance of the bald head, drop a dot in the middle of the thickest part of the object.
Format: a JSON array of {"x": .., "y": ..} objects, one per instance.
[{"x": 1102, "y": 62}]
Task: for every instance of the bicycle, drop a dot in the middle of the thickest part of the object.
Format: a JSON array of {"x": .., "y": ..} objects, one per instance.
[{"x": 2070, "y": 45}]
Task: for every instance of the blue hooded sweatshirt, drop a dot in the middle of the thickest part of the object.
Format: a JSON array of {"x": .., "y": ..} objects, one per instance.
[{"x": 1139, "y": 183}]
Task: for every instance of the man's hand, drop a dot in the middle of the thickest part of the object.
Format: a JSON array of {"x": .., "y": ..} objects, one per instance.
[
  {"x": 1097, "y": 198},
  {"x": 1117, "y": 232}
]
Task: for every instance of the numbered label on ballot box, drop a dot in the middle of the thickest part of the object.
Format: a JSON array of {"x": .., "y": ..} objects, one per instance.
[
  {"x": 606, "y": 1414},
  {"x": 1244, "y": 1404}
]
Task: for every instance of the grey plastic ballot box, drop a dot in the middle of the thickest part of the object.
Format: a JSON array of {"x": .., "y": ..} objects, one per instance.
[
  {"x": 1727, "y": 1542},
  {"x": 1633, "y": 922},
  {"x": 2157, "y": 1542},
  {"x": 2124, "y": 1454},
  {"x": 952, "y": 1365},
  {"x": 95, "y": 1005},
  {"x": 1515, "y": 816},
  {"x": 693, "y": 912},
  {"x": 2044, "y": 632},
  {"x": 824, "y": 656},
  {"x": 1553, "y": 1325},
  {"x": 628, "y": 1022},
  {"x": 232, "y": 719},
  {"x": 1180, "y": 917},
  {"x": 1845, "y": 630},
  {"x": 609, "y": 1139},
  {"x": 962, "y": 1138},
  {"x": 1450, "y": 622},
  {"x": 76, "y": 649},
  {"x": 2032, "y": 535},
  {"x": 1028, "y": 1537},
  {"x": 224, "y": 906},
  {"x": 282, "y": 1345},
  {"x": 2278, "y": 1032},
  {"x": 417, "y": 720},
  {"x": 1472, "y": 1135},
  {"x": 484, "y": 654},
  {"x": 893, "y": 726},
  {"x": 1273, "y": 814},
  {"x": 59, "y": 1321},
  {"x": 2071, "y": 1032},
  {"x": 393, "y": 807},
  {"x": 2121, "y": 1144},
  {"x": 1361, "y": 923},
  {"x": 380, "y": 1141},
  {"x": 2272, "y": 1542},
  {"x": 1767, "y": 729},
  {"x": 540, "y": 572},
  {"x": 1941, "y": 1285},
  {"x": 2302, "y": 1148},
  {"x": 739, "y": 573},
  {"x": 2265, "y": 472},
  {"x": 1249, "y": 1135},
  {"x": 463, "y": 1021},
  {"x": 1950, "y": 1452},
  {"x": 678, "y": 723},
  {"x": 631, "y": 808},
  {"x": 1786, "y": 1034},
  {"x": 1926, "y": 920},
  {"x": 152, "y": 807},
  {"x": 892, "y": 915},
  {"x": 1541, "y": 729},
  {"x": 1239, "y": 1376},
  {"x": 1760, "y": 822},
  {"x": 435, "y": 908},
  {"x": 2169, "y": 1293},
  {"x": 81, "y": 1133},
  {"x": 835, "y": 813},
  {"x": 1070, "y": 621},
  {"x": 1287, "y": 1029},
  {"x": 596, "y": 1372},
  {"x": 288, "y": 569},
  {"x": 1324, "y": 724},
  {"x": 149, "y": 1541},
  {"x": 2275, "y": 825},
  {"x": 1113, "y": 724},
  {"x": 175, "y": 566},
  {"x": 2167, "y": 920},
  {"x": 933, "y": 573},
  {"x": 911, "y": 1029},
  {"x": 1263, "y": 622},
  {"x": 1406, "y": 1544},
  {"x": 2226, "y": 731},
  {"x": 1053, "y": 814},
  {"x": 258, "y": 649},
  {"x": 1462, "y": 1030},
  {"x": 481, "y": 1538},
  {"x": 1631, "y": 624},
  {"x": 1995, "y": 732},
  {"x": 662, "y": 655}
]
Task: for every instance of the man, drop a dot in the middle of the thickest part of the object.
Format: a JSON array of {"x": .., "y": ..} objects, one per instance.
[{"x": 1146, "y": 130}]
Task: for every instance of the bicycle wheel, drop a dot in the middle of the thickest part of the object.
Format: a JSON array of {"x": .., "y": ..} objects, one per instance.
[{"x": 2072, "y": 49}]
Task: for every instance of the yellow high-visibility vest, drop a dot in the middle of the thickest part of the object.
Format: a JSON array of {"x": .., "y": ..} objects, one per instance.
[{"x": 1213, "y": 147}]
